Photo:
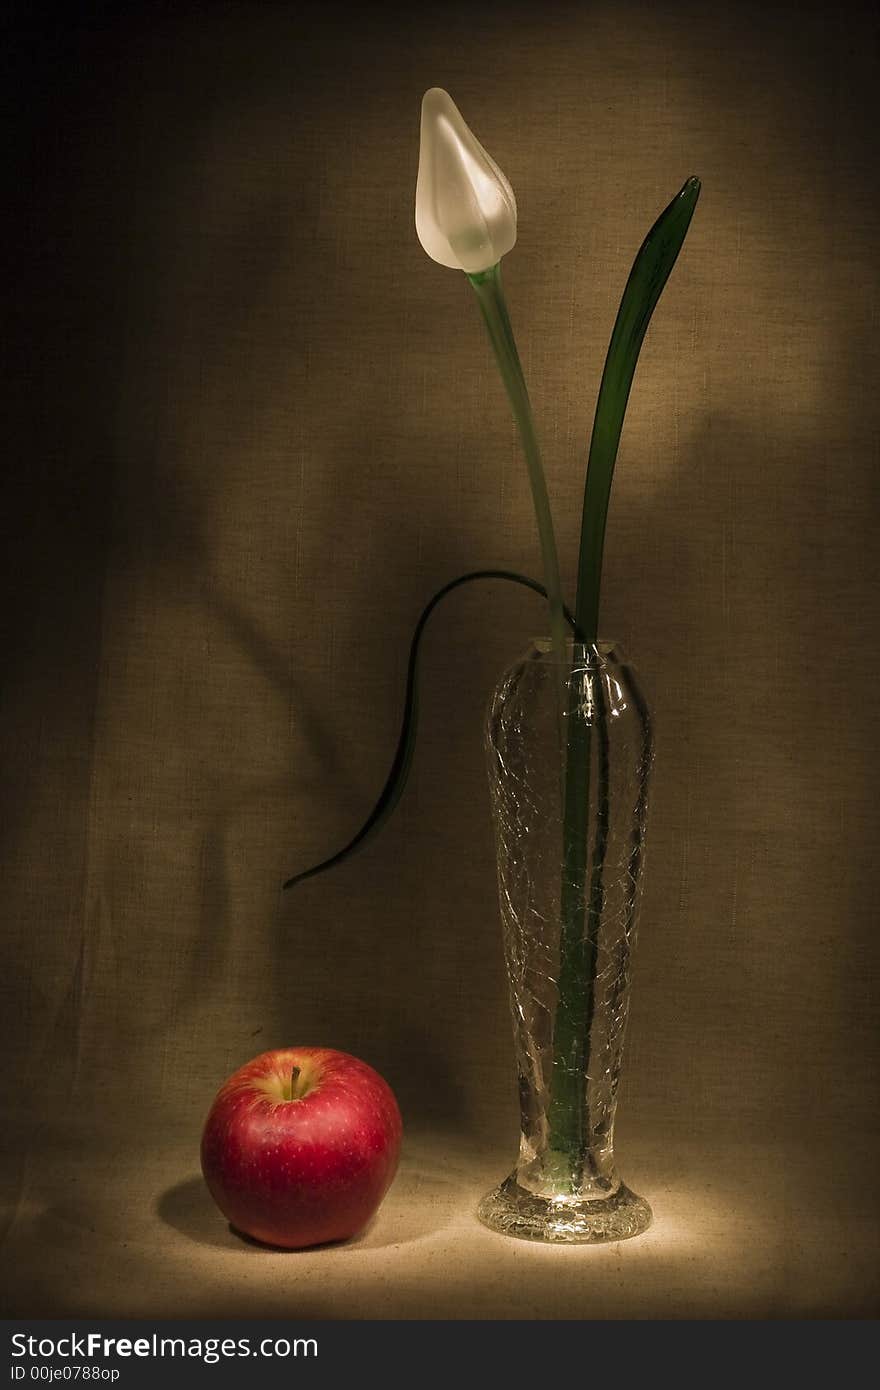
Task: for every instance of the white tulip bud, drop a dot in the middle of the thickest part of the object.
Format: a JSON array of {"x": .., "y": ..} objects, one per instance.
[{"x": 465, "y": 207}]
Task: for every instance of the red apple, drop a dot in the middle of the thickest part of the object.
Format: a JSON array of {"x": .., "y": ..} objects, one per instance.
[{"x": 301, "y": 1145}]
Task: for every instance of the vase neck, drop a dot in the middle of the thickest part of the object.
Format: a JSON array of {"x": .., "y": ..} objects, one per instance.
[{"x": 581, "y": 654}]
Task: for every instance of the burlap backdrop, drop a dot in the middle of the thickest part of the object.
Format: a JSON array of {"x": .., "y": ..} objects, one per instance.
[{"x": 258, "y": 428}]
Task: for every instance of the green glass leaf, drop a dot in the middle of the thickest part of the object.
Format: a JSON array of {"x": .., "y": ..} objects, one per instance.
[
  {"x": 651, "y": 270},
  {"x": 578, "y": 907},
  {"x": 396, "y": 782}
]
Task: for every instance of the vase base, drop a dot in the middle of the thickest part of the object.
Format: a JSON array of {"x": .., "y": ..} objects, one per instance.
[{"x": 514, "y": 1211}]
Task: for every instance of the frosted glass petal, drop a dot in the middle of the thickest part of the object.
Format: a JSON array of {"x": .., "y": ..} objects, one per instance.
[{"x": 465, "y": 207}]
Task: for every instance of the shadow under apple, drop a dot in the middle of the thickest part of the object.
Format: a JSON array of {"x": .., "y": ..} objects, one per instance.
[{"x": 417, "y": 1206}]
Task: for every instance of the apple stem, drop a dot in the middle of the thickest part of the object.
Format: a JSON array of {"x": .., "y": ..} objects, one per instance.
[{"x": 294, "y": 1077}]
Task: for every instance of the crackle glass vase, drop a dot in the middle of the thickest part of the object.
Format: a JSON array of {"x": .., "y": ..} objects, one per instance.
[{"x": 569, "y": 752}]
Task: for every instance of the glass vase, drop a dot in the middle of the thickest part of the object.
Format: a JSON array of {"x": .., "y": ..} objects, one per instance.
[{"x": 569, "y": 746}]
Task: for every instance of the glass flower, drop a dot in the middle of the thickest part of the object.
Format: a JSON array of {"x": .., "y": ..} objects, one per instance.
[{"x": 465, "y": 207}]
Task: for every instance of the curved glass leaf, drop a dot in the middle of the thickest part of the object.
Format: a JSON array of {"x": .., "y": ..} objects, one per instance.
[
  {"x": 650, "y": 271},
  {"x": 394, "y": 786}
]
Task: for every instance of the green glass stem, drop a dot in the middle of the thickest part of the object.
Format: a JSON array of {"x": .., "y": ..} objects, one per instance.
[
  {"x": 490, "y": 294},
  {"x": 581, "y": 917},
  {"x": 566, "y": 1111},
  {"x": 577, "y": 962}
]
